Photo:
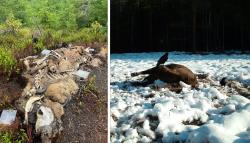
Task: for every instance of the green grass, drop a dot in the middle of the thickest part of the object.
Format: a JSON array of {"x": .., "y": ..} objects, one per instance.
[
  {"x": 17, "y": 137},
  {"x": 7, "y": 61}
]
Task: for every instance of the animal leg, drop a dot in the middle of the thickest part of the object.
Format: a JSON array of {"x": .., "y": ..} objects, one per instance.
[
  {"x": 146, "y": 81},
  {"x": 149, "y": 71}
]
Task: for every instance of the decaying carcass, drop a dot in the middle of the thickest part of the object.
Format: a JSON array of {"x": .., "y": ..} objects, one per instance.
[
  {"x": 53, "y": 77},
  {"x": 171, "y": 73}
]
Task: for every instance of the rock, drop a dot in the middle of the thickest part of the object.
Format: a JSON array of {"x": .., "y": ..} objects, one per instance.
[
  {"x": 82, "y": 74},
  {"x": 7, "y": 117},
  {"x": 45, "y": 52}
]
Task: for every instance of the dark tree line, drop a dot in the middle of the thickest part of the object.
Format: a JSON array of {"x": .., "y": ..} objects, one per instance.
[{"x": 180, "y": 25}]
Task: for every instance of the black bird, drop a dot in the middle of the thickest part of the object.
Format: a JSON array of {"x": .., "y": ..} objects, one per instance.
[{"x": 163, "y": 59}]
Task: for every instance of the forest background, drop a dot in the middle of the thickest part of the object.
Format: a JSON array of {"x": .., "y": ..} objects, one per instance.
[{"x": 29, "y": 26}]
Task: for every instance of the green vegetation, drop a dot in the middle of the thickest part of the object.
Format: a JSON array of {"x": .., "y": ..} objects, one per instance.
[
  {"x": 89, "y": 87},
  {"x": 4, "y": 103},
  {"x": 28, "y": 26},
  {"x": 18, "y": 137}
]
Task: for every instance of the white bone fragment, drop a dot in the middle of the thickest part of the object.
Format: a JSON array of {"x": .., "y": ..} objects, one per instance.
[
  {"x": 29, "y": 106},
  {"x": 88, "y": 50},
  {"x": 45, "y": 117}
]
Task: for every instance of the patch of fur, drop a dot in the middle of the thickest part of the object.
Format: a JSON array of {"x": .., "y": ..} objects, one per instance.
[
  {"x": 65, "y": 65},
  {"x": 62, "y": 90},
  {"x": 103, "y": 52},
  {"x": 96, "y": 62},
  {"x": 56, "y": 108}
]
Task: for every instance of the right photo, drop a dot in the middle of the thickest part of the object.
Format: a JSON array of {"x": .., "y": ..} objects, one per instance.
[{"x": 179, "y": 71}]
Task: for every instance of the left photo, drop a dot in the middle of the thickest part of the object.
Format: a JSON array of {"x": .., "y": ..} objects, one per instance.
[{"x": 53, "y": 71}]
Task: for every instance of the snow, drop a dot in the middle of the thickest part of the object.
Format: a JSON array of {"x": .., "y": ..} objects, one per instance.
[{"x": 206, "y": 114}]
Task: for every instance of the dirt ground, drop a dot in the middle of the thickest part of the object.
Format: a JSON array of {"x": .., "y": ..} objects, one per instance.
[
  {"x": 86, "y": 121},
  {"x": 85, "y": 118},
  {"x": 10, "y": 90}
]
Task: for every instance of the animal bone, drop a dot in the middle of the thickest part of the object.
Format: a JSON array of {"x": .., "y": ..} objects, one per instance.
[
  {"x": 58, "y": 55},
  {"x": 37, "y": 67},
  {"x": 53, "y": 69},
  {"x": 45, "y": 117},
  {"x": 29, "y": 89},
  {"x": 40, "y": 61},
  {"x": 53, "y": 75},
  {"x": 29, "y": 106},
  {"x": 52, "y": 78}
]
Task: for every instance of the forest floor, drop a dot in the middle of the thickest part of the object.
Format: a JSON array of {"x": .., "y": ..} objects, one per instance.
[
  {"x": 85, "y": 118},
  {"x": 86, "y": 121}
]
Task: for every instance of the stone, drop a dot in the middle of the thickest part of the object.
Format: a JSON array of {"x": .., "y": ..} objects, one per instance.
[
  {"x": 45, "y": 52},
  {"x": 82, "y": 74},
  {"x": 8, "y": 117}
]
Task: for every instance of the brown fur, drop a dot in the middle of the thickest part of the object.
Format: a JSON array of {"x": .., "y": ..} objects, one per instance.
[
  {"x": 96, "y": 62},
  {"x": 103, "y": 52},
  {"x": 172, "y": 73},
  {"x": 65, "y": 65},
  {"x": 62, "y": 90},
  {"x": 55, "y": 107}
]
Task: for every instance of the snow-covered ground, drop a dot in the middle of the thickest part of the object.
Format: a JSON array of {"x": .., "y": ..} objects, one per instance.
[{"x": 142, "y": 114}]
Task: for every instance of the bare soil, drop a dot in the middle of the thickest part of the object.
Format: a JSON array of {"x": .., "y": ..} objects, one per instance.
[
  {"x": 10, "y": 90},
  {"x": 85, "y": 118}
]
